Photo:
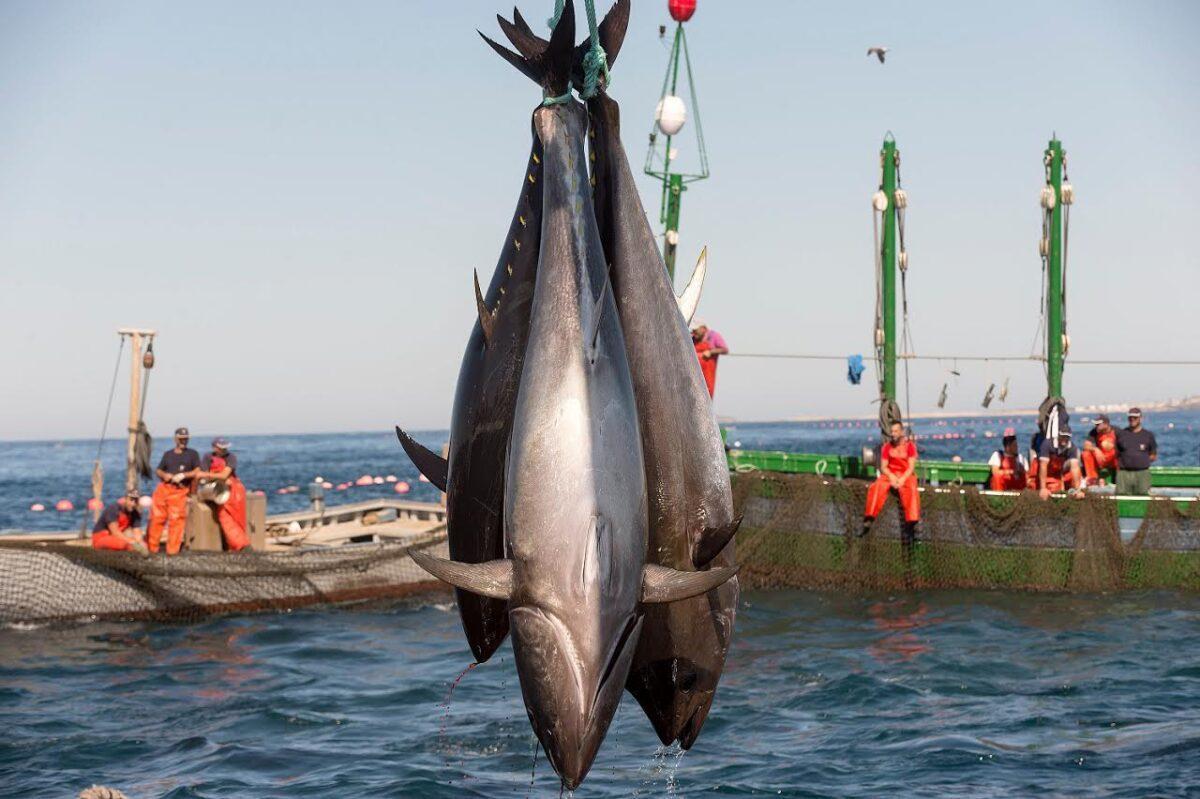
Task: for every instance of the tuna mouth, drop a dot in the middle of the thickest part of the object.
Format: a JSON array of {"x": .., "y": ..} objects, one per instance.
[{"x": 568, "y": 716}]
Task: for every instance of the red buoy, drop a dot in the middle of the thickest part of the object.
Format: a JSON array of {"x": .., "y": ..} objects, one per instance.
[
  {"x": 681, "y": 10},
  {"x": 94, "y": 504}
]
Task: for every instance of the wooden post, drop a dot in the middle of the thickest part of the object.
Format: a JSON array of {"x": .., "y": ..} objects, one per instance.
[{"x": 135, "y": 400}]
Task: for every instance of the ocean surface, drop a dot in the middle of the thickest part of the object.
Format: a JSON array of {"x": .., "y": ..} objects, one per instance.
[
  {"x": 45, "y": 472},
  {"x": 941, "y": 695},
  {"x": 948, "y": 694}
]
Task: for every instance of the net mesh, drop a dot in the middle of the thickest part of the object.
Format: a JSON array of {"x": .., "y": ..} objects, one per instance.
[
  {"x": 56, "y": 582},
  {"x": 802, "y": 531},
  {"x": 798, "y": 531}
]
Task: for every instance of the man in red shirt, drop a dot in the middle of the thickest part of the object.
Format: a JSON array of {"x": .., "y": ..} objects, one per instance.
[
  {"x": 897, "y": 472},
  {"x": 1099, "y": 451},
  {"x": 117, "y": 528},
  {"x": 709, "y": 347}
]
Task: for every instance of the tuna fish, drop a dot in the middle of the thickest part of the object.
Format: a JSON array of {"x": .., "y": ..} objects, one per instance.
[
  {"x": 682, "y": 651},
  {"x": 575, "y": 509},
  {"x": 485, "y": 397}
]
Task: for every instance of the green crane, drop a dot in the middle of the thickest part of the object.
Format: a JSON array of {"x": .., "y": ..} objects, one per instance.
[
  {"x": 889, "y": 202},
  {"x": 669, "y": 120},
  {"x": 1057, "y": 197}
]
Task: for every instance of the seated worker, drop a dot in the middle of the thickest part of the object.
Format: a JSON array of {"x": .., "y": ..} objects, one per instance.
[
  {"x": 221, "y": 464},
  {"x": 897, "y": 473},
  {"x": 1099, "y": 451},
  {"x": 1058, "y": 466},
  {"x": 176, "y": 470},
  {"x": 709, "y": 347},
  {"x": 117, "y": 528},
  {"x": 1136, "y": 450},
  {"x": 1035, "y": 446},
  {"x": 1009, "y": 467}
]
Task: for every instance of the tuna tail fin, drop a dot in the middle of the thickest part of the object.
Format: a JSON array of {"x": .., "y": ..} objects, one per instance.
[
  {"x": 611, "y": 31},
  {"x": 547, "y": 64},
  {"x": 428, "y": 463},
  {"x": 493, "y": 578},
  {"x": 663, "y": 584},
  {"x": 689, "y": 300},
  {"x": 711, "y": 541}
]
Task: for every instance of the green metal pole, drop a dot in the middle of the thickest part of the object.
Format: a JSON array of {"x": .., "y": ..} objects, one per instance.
[
  {"x": 888, "y": 155},
  {"x": 675, "y": 191},
  {"x": 672, "y": 184},
  {"x": 1054, "y": 279}
]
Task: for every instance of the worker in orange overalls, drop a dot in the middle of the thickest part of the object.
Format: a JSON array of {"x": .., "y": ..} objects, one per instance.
[
  {"x": 221, "y": 464},
  {"x": 709, "y": 347},
  {"x": 1009, "y": 469},
  {"x": 177, "y": 471},
  {"x": 1058, "y": 466},
  {"x": 117, "y": 528},
  {"x": 1099, "y": 451},
  {"x": 897, "y": 473}
]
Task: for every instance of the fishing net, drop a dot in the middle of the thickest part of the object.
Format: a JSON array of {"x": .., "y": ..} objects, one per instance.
[
  {"x": 802, "y": 531},
  {"x": 56, "y": 582}
]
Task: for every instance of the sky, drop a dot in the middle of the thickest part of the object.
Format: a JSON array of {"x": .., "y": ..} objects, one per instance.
[{"x": 295, "y": 194}]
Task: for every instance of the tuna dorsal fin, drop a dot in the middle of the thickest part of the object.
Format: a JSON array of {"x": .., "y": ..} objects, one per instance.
[
  {"x": 663, "y": 584},
  {"x": 428, "y": 463},
  {"x": 711, "y": 541},
  {"x": 487, "y": 320},
  {"x": 493, "y": 578},
  {"x": 689, "y": 300}
]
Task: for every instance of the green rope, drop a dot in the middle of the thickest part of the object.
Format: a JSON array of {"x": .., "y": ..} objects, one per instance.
[
  {"x": 562, "y": 98},
  {"x": 558, "y": 9}
]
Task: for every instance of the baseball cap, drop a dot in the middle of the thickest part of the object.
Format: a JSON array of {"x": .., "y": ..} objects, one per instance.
[
  {"x": 1064, "y": 432},
  {"x": 1102, "y": 418},
  {"x": 183, "y": 432},
  {"x": 1135, "y": 411},
  {"x": 220, "y": 442}
]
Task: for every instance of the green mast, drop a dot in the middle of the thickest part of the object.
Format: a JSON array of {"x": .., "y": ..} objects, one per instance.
[
  {"x": 888, "y": 157},
  {"x": 1053, "y": 201},
  {"x": 669, "y": 121}
]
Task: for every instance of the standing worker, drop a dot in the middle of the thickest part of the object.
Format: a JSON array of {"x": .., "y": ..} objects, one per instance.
[
  {"x": 1136, "y": 450},
  {"x": 1099, "y": 451},
  {"x": 709, "y": 347},
  {"x": 1009, "y": 467},
  {"x": 221, "y": 464},
  {"x": 176, "y": 470},
  {"x": 897, "y": 473},
  {"x": 117, "y": 528},
  {"x": 1058, "y": 466}
]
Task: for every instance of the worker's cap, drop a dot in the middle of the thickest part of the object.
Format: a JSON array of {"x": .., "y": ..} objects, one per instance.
[
  {"x": 220, "y": 442},
  {"x": 133, "y": 494},
  {"x": 182, "y": 432},
  {"x": 1103, "y": 419},
  {"x": 697, "y": 324},
  {"x": 1064, "y": 432},
  {"x": 1135, "y": 413},
  {"x": 1010, "y": 433}
]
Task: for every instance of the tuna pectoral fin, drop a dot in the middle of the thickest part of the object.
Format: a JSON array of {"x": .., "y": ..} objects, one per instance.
[
  {"x": 711, "y": 541},
  {"x": 662, "y": 584},
  {"x": 689, "y": 300},
  {"x": 493, "y": 578},
  {"x": 428, "y": 463}
]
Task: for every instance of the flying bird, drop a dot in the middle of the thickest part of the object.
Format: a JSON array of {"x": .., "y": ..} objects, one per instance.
[{"x": 878, "y": 52}]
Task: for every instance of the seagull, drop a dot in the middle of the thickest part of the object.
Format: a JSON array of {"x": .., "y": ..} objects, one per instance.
[{"x": 878, "y": 52}]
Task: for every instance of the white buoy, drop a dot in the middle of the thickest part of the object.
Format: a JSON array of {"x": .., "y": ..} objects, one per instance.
[
  {"x": 670, "y": 114},
  {"x": 37, "y": 507}
]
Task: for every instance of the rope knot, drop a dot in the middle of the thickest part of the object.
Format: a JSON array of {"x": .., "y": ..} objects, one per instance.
[{"x": 595, "y": 71}]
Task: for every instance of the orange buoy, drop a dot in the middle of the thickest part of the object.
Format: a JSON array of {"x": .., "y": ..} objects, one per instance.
[
  {"x": 327, "y": 485},
  {"x": 145, "y": 502},
  {"x": 95, "y": 504},
  {"x": 402, "y": 487},
  {"x": 423, "y": 478},
  {"x": 377, "y": 480},
  {"x": 64, "y": 505},
  {"x": 391, "y": 478}
]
